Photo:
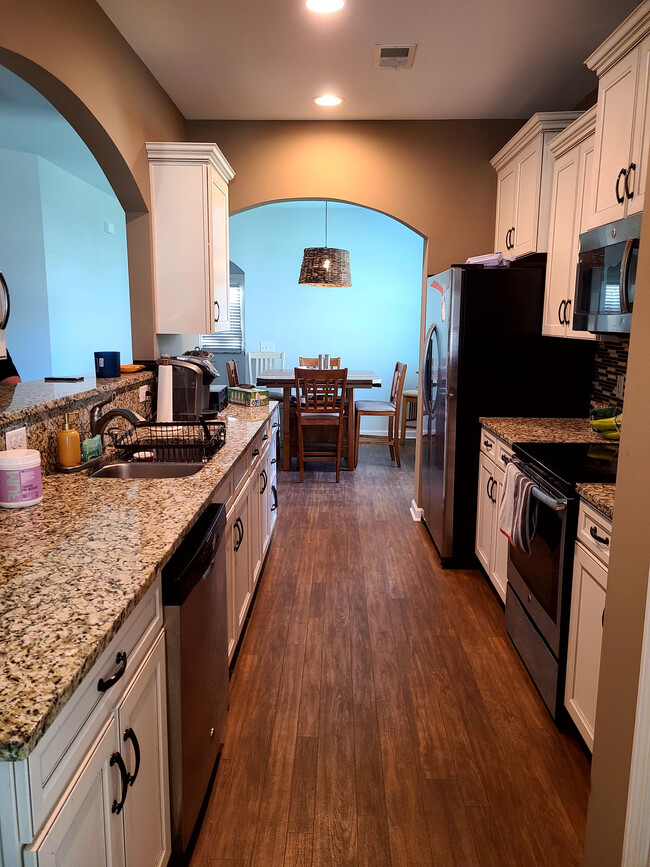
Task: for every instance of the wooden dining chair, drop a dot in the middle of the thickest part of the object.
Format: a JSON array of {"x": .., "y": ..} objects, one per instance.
[
  {"x": 390, "y": 409},
  {"x": 233, "y": 373},
  {"x": 335, "y": 363},
  {"x": 320, "y": 403}
]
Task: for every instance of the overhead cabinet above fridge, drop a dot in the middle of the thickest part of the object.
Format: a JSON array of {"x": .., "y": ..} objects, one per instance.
[
  {"x": 524, "y": 167},
  {"x": 189, "y": 215}
]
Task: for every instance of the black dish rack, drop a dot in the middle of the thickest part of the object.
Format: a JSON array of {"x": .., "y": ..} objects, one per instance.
[{"x": 178, "y": 442}]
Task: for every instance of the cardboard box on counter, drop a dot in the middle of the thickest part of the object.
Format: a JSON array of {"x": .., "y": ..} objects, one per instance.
[{"x": 248, "y": 395}]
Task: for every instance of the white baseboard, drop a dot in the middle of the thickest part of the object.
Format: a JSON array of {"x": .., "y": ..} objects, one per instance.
[{"x": 416, "y": 512}]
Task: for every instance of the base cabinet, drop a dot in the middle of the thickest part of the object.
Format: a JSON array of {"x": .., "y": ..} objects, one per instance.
[
  {"x": 588, "y": 596},
  {"x": 115, "y": 811},
  {"x": 491, "y": 545}
]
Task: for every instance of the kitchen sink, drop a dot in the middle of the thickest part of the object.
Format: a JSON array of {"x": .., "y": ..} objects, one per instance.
[{"x": 146, "y": 470}]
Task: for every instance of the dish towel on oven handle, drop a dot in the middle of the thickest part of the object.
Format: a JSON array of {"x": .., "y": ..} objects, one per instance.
[{"x": 518, "y": 509}]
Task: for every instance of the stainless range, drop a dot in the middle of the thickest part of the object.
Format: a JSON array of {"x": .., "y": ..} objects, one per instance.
[{"x": 539, "y": 585}]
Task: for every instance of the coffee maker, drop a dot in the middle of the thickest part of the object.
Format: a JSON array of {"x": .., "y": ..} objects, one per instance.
[{"x": 191, "y": 378}]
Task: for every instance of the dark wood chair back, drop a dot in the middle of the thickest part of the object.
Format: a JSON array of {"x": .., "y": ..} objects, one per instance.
[
  {"x": 335, "y": 363},
  {"x": 320, "y": 391},
  {"x": 397, "y": 385},
  {"x": 233, "y": 374}
]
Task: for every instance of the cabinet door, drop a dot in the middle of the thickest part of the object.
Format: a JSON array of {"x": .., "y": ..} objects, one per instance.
[
  {"x": 641, "y": 139},
  {"x": 529, "y": 167},
  {"x": 584, "y": 200},
  {"x": 499, "y": 565},
  {"x": 562, "y": 250},
  {"x": 265, "y": 503},
  {"x": 219, "y": 252},
  {"x": 616, "y": 96},
  {"x": 142, "y": 719},
  {"x": 83, "y": 831},
  {"x": 484, "y": 512},
  {"x": 585, "y": 638},
  {"x": 240, "y": 543},
  {"x": 505, "y": 221}
]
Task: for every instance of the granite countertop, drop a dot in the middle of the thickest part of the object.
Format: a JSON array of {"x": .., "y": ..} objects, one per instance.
[
  {"x": 74, "y": 567},
  {"x": 557, "y": 430},
  {"x": 600, "y": 496},
  {"x": 542, "y": 430}
]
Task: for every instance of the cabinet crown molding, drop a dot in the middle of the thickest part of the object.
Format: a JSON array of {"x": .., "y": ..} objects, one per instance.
[
  {"x": 541, "y": 122},
  {"x": 619, "y": 43},
  {"x": 188, "y": 153},
  {"x": 575, "y": 133}
]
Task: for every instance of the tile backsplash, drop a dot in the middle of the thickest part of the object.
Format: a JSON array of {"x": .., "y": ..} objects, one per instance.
[{"x": 610, "y": 362}]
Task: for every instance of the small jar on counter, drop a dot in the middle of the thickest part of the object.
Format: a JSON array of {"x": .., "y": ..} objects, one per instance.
[{"x": 20, "y": 478}]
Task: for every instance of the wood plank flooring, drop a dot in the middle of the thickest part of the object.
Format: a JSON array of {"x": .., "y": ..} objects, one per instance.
[{"x": 379, "y": 714}]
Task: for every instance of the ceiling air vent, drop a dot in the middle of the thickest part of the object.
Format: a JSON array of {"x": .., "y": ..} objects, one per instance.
[{"x": 393, "y": 56}]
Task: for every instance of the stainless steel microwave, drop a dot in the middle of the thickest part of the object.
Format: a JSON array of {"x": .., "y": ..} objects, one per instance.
[{"x": 606, "y": 279}]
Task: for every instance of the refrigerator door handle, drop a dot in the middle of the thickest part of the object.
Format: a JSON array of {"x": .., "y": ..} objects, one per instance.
[{"x": 426, "y": 366}]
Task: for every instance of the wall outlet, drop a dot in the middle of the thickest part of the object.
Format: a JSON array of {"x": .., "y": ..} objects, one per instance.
[
  {"x": 267, "y": 347},
  {"x": 16, "y": 438},
  {"x": 620, "y": 386},
  {"x": 142, "y": 393}
]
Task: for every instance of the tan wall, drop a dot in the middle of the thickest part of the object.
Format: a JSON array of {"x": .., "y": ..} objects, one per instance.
[
  {"x": 72, "y": 54},
  {"x": 627, "y": 586},
  {"x": 433, "y": 175}
]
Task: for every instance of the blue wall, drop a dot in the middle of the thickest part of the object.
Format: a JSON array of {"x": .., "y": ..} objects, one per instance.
[
  {"x": 371, "y": 325},
  {"x": 67, "y": 276}
]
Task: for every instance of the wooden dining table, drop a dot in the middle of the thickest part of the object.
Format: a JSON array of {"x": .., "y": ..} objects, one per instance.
[{"x": 285, "y": 380}]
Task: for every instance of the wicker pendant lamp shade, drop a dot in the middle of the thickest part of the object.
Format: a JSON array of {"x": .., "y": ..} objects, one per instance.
[{"x": 325, "y": 266}]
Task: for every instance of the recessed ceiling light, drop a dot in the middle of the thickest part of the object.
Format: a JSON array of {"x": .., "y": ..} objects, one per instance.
[
  {"x": 325, "y": 6},
  {"x": 328, "y": 99}
]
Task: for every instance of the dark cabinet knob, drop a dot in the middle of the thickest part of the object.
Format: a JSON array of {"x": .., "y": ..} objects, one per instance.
[
  {"x": 120, "y": 659},
  {"x": 629, "y": 193},
  {"x": 622, "y": 174},
  {"x": 116, "y": 759}
]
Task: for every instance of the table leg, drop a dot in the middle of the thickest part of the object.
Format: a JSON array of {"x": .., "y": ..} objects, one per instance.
[
  {"x": 351, "y": 428},
  {"x": 286, "y": 431}
]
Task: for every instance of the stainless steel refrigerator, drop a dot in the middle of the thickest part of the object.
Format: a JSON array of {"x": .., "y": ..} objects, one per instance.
[{"x": 484, "y": 355}]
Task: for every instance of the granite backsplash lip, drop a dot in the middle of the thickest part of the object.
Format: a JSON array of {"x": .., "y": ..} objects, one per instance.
[
  {"x": 27, "y": 400},
  {"x": 73, "y": 568}
]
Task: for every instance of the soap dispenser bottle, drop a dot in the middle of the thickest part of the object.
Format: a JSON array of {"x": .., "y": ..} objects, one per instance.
[{"x": 68, "y": 445}]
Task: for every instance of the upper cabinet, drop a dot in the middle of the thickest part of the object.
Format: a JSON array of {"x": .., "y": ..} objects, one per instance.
[
  {"x": 622, "y": 64},
  {"x": 189, "y": 211},
  {"x": 524, "y": 168},
  {"x": 571, "y": 196}
]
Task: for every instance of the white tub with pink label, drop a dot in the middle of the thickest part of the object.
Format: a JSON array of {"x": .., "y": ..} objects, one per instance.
[{"x": 20, "y": 478}]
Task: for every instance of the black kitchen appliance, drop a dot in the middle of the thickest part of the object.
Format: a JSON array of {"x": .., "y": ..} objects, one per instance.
[
  {"x": 484, "y": 355},
  {"x": 606, "y": 280},
  {"x": 539, "y": 583},
  {"x": 191, "y": 379}
]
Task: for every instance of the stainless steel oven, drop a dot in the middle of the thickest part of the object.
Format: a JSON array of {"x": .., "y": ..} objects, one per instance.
[{"x": 539, "y": 586}]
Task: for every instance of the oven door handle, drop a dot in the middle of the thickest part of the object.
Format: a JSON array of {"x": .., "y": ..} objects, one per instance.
[{"x": 551, "y": 502}]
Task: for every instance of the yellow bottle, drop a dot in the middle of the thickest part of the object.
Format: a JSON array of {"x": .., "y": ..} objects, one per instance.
[{"x": 68, "y": 445}]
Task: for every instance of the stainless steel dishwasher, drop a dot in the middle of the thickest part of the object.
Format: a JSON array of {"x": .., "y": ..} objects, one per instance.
[{"x": 194, "y": 599}]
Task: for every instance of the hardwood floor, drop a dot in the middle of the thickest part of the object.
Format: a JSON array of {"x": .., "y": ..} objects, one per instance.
[{"x": 379, "y": 714}]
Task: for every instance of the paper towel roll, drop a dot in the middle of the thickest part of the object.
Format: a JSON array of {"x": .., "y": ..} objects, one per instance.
[{"x": 164, "y": 407}]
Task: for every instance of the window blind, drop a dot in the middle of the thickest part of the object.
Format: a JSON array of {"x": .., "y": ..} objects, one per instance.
[{"x": 231, "y": 340}]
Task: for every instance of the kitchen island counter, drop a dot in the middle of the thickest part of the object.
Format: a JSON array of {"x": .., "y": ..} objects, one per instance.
[{"x": 74, "y": 567}]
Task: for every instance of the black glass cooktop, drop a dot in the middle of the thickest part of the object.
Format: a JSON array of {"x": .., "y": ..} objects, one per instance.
[{"x": 568, "y": 463}]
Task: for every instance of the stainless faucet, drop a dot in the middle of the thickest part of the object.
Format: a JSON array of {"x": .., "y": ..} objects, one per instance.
[{"x": 98, "y": 423}]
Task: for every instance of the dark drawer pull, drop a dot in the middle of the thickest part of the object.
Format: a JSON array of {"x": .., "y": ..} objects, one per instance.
[
  {"x": 129, "y": 735},
  {"x": 275, "y": 424},
  {"x": 487, "y": 444},
  {"x": 116, "y": 759},
  {"x": 274, "y": 491},
  {"x": 593, "y": 532},
  {"x": 265, "y": 437},
  {"x": 103, "y": 685},
  {"x": 256, "y": 452},
  {"x": 274, "y": 460}
]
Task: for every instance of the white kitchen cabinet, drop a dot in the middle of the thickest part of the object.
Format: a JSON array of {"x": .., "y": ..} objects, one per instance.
[
  {"x": 115, "y": 811},
  {"x": 524, "y": 166},
  {"x": 189, "y": 215},
  {"x": 491, "y": 545},
  {"x": 588, "y": 595},
  {"x": 252, "y": 514},
  {"x": 622, "y": 64},
  {"x": 572, "y": 150}
]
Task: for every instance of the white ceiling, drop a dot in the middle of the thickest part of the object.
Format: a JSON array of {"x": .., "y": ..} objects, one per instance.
[{"x": 266, "y": 59}]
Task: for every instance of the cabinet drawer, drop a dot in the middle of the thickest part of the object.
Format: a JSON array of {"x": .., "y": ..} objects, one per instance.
[
  {"x": 56, "y": 757},
  {"x": 488, "y": 444},
  {"x": 223, "y": 493},
  {"x": 239, "y": 474},
  {"x": 504, "y": 453},
  {"x": 594, "y": 532}
]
